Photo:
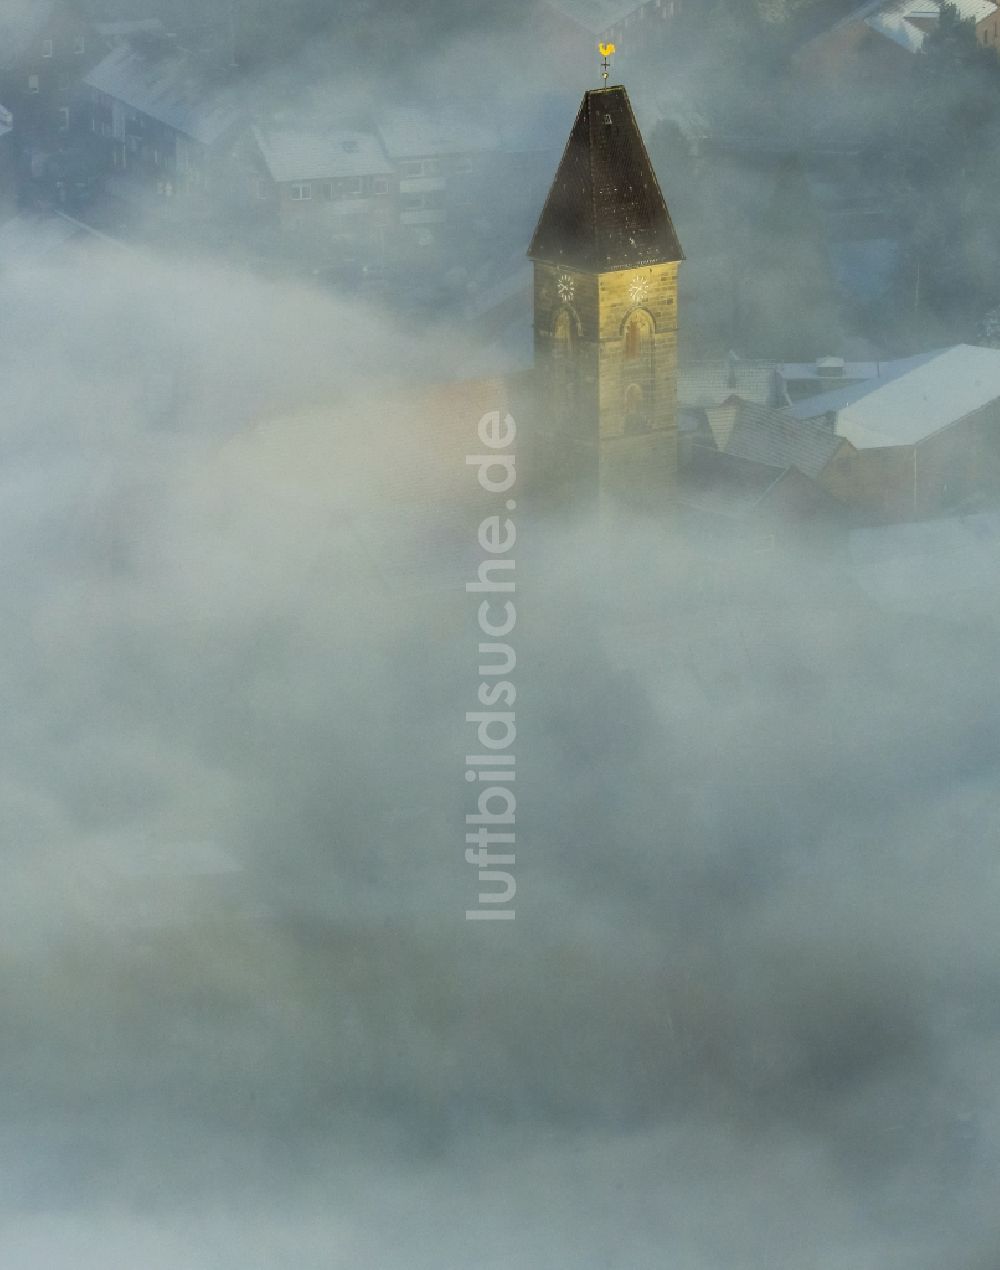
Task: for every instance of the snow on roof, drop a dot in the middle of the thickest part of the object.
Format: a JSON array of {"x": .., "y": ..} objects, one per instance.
[
  {"x": 711, "y": 383},
  {"x": 407, "y": 134},
  {"x": 858, "y": 380},
  {"x": 304, "y": 156},
  {"x": 772, "y": 438},
  {"x": 170, "y": 89},
  {"x": 792, "y": 371},
  {"x": 922, "y": 401},
  {"x": 896, "y": 22},
  {"x": 900, "y": 20}
]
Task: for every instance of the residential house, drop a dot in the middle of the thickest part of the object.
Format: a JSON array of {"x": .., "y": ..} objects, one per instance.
[
  {"x": 332, "y": 189},
  {"x": 881, "y": 35},
  {"x": 164, "y": 118},
  {"x": 896, "y": 441},
  {"x": 444, "y": 165},
  {"x": 755, "y": 464},
  {"x": 988, "y": 25},
  {"x": 45, "y": 50}
]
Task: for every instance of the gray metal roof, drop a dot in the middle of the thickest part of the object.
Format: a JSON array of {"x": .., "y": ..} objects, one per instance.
[
  {"x": 938, "y": 391},
  {"x": 305, "y": 156},
  {"x": 702, "y": 384},
  {"x": 413, "y": 134},
  {"x": 772, "y": 438},
  {"x": 898, "y": 20},
  {"x": 171, "y": 89},
  {"x": 867, "y": 379}
]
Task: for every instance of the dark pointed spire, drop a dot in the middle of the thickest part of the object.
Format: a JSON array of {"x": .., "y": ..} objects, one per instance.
[{"x": 605, "y": 209}]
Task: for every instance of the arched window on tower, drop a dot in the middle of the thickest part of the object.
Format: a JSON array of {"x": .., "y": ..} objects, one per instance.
[
  {"x": 563, "y": 363},
  {"x": 636, "y": 416},
  {"x": 562, "y": 336},
  {"x": 638, "y": 335}
]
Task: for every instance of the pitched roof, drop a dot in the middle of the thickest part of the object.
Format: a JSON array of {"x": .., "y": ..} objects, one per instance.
[
  {"x": 771, "y": 438},
  {"x": 171, "y": 89},
  {"x": 305, "y": 156},
  {"x": 605, "y": 209},
  {"x": 702, "y": 384},
  {"x": 857, "y": 381},
  {"x": 411, "y": 134},
  {"x": 597, "y": 16},
  {"x": 939, "y": 391},
  {"x": 904, "y": 22}
]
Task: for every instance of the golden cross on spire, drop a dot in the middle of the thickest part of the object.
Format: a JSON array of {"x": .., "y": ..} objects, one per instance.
[{"x": 605, "y": 51}]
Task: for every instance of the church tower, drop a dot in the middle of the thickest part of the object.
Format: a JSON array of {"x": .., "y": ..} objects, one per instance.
[{"x": 606, "y": 256}]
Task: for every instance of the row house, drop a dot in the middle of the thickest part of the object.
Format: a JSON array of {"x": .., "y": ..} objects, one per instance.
[
  {"x": 165, "y": 121},
  {"x": 416, "y": 182},
  {"x": 443, "y": 166},
  {"x": 988, "y": 24},
  {"x": 44, "y": 55},
  {"x": 334, "y": 190}
]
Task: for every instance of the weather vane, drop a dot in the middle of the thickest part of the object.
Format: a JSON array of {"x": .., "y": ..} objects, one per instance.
[{"x": 605, "y": 51}]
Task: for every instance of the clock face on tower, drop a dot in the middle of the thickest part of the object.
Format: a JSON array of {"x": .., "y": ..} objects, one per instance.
[
  {"x": 639, "y": 289},
  {"x": 565, "y": 287}
]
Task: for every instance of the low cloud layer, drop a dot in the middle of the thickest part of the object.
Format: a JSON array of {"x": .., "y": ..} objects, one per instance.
[{"x": 745, "y": 1015}]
